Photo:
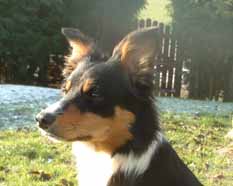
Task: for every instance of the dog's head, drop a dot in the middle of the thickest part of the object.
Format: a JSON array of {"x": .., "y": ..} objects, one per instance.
[{"x": 101, "y": 98}]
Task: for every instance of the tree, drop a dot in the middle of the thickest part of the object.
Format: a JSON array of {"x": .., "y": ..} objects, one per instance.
[
  {"x": 106, "y": 20},
  {"x": 206, "y": 28},
  {"x": 30, "y": 30}
]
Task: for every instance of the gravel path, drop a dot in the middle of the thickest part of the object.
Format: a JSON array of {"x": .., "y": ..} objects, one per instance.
[{"x": 19, "y": 104}]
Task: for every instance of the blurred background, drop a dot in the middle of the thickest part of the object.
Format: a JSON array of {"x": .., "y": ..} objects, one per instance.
[
  {"x": 193, "y": 80},
  {"x": 196, "y": 58}
]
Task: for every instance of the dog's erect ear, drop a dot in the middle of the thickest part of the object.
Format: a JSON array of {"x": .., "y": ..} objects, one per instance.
[
  {"x": 137, "y": 53},
  {"x": 82, "y": 45}
]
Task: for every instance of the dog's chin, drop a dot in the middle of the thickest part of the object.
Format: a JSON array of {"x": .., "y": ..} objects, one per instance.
[
  {"x": 57, "y": 139},
  {"x": 51, "y": 136}
]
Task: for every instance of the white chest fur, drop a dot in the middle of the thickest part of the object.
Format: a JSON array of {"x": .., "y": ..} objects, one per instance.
[{"x": 94, "y": 168}]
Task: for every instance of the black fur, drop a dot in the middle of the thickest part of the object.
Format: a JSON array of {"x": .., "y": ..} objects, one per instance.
[
  {"x": 166, "y": 169},
  {"x": 125, "y": 80}
]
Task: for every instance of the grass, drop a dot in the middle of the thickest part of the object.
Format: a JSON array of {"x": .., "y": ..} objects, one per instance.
[
  {"x": 199, "y": 141},
  {"x": 156, "y": 10},
  {"x": 26, "y": 158}
]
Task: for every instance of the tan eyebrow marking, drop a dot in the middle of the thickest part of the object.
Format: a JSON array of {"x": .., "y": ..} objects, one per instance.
[
  {"x": 87, "y": 85},
  {"x": 67, "y": 86}
]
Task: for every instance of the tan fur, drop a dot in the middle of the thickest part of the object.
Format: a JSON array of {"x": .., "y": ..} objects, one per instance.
[
  {"x": 79, "y": 51},
  {"x": 106, "y": 134},
  {"x": 138, "y": 52},
  {"x": 87, "y": 85},
  {"x": 67, "y": 86}
]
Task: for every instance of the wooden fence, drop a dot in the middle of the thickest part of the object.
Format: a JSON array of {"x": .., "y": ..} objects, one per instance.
[
  {"x": 179, "y": 75},
  {"x": 51, "y": 75},
  {"x": 168, "y": 69},
  {"x": 170, "y": 78}
]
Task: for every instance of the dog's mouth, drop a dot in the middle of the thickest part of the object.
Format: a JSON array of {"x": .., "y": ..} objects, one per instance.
[
  {"x": 82, "y": 138},
  {"x": 50, "y": 136},
  {"x": 55, "y": 138}
]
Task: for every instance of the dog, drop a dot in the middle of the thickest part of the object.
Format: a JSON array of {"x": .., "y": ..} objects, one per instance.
[{"x": 108, "y": 113}]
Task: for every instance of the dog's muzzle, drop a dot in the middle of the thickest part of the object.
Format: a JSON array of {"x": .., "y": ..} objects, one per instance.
[{"x": 48, "y": 116}]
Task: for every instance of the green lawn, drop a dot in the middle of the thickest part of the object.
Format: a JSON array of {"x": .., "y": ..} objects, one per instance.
[
  {"x": 27, "y": 159},
  {"x": 156, "y": 10},
  {"x": 198, "y": 141}
]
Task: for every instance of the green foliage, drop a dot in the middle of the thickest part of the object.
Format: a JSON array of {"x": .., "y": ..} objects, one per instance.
[
  {"x": 156, "y": 10},
  {"x": 105, "y": 20},
  {"x": 205, "y": 28},
  {"x": 30, "y": 29},
  {"x": 29, "y": 32},
  {"x": 208, "y": 24}
]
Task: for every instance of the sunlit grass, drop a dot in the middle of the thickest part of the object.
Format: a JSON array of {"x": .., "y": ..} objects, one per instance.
[
  {"x": 198, "y": 141},
  {"x": 27, "y": 159}
]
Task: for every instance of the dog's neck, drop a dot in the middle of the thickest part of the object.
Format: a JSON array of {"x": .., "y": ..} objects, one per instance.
[
  {"x": 144, "y": 130},
  {"x": 97, "y": 168}
]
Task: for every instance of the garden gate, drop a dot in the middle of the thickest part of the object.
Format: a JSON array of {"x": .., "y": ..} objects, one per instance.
[{"x": 168, "y": 69}]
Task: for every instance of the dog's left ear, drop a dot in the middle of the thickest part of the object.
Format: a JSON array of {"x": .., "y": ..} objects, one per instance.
[
  {"x": 81, "y": 44},
  {"x": 137, "y": 53},
  {"x": 83, "y": 48}
]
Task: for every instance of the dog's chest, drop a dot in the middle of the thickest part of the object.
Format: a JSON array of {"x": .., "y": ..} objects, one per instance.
[{"x": 94, "y": 169}]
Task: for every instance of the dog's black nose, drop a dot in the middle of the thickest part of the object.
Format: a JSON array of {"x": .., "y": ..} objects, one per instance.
[{"x": 45, "y": 119}]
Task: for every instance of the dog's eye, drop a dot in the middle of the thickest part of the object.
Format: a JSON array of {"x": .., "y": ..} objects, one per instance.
[{"x": 94, "y": 93}]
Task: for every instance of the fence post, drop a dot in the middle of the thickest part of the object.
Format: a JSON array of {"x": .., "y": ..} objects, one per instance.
[
  {"x": 157, "y": 72},
  {"x": 178, "y": 72},
  {"x": 148, "y": 23},
  {"x": 155, "y": 23},
  {"x": 162, "y": 62},
  {"x": 170, "y": 85},
  {"x": 141, "y": 24}
]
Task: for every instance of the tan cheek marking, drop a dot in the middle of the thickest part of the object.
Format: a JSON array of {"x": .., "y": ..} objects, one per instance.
[
  {"x": 108, "y": 133},
  {"x": 70, "y": 116},
  {"x": 87, "y": 85},
  {"x": 119, "y": 133}
]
